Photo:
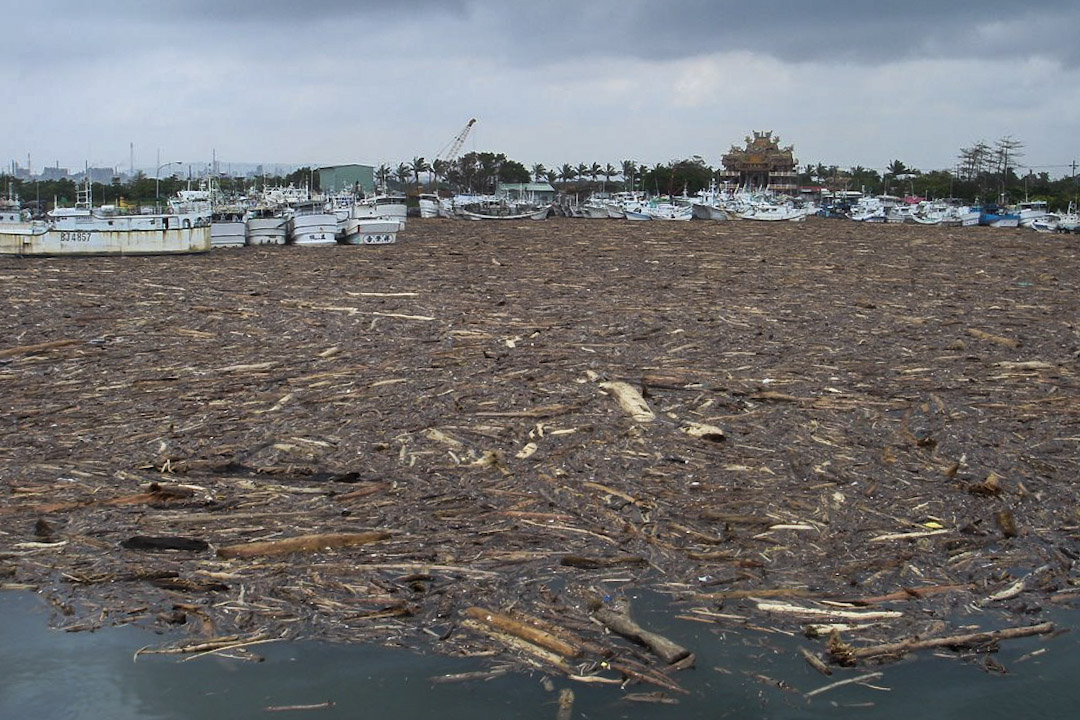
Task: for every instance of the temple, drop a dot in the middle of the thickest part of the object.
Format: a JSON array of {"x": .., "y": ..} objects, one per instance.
[{"x": 762, "y": 163}]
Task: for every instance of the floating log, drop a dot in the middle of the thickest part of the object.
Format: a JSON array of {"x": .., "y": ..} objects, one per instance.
[
  {"x": 38, "y": 347},
  {"x": 814, "y": 661},
  {"x": 302, "y": 543},
  {"x": 903, "y": 647},
  {"x": 621, "y": 623},
  {"x": 155, "y": 544},
  {"x": 998, "y": 339},
  {"x": 532, "y": 650},
  {"x": 525, "y": 631},
  {"x": 593, "y": 563}
]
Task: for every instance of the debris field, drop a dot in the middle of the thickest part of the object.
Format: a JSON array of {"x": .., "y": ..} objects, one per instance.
[{"x": 480, "y": 440}]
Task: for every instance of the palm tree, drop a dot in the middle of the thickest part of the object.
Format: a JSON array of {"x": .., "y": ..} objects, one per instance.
[
  {"x": 567, "y": 172},
  {"x": 595, "y": 171},
  {"x": 896, "y": 168},
  {"x": 582, "y": 171},
  {"x": 439, "y": 168},
  {"x": 419, "y": 165},
  {"x": 629, "y": 170},
  {"x": 551, "y": 176},
  {"x": 609, "y": 172},
  {"x": 383, "y": 174},
  {"x": 538, "y": 172},
  {"x": 403, "y": 172}
]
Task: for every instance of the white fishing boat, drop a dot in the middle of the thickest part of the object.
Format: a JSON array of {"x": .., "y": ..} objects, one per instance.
[
  {"x": 712, "y": 204},
  {"x": 1048, "y": 223},
  {"x": 902, "y": 213},
  {"x": 1069, "y": 221},
  {"x": 341, "y": 205},
  {"x": 228, "y": 227},
  {"x": 961, "y": 216},
  {"x": 372, "y": 231},
  {"x": 775, "y": 212},
  {"x": 429, "y": 205},
  {"x": 310, "y": 223},
  {"x": 1031, "y": 211},
  {"x": 382, "y": 205},
  {"x": 265, "y": 225},
  {"x": 494, "y": 213},
  {"x": 594, "y": 208},
  {"x": 664, "y": 209},
  {"x": 105, "y": 230},
  {"x": 490, "y": 207},
  {"x": 871, "y": 209},
  {"x": 635, "y": 211}
]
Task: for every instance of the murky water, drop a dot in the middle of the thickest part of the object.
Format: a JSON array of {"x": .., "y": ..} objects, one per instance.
[{"x": 47, "y": 674}]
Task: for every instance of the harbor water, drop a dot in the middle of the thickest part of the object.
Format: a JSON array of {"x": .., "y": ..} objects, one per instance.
[{"x": 48, "y": 673}]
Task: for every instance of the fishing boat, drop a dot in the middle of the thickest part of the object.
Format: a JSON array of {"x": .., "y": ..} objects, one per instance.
[
  {"x": 105, "y": 230},
  {"x": 228, "y": 227},
  {"x": 1048, "y": 223},
  {"x": 372, "y": 231},
  {"x": 1069, "y": 221},
  {"x": 871, "y": 209},
  {"x": 712, "y": 204},
  {"x": 341, "y": 205},
  {"x": 1031, "y": 211},
  {"x": 310, "y": 223},
  {"x": 382, "y": 205},
  {"x": 669, "y": 209},
  {"x": 265, "y": 225},
  {"x": 429, "y": 205},
  {"x": 502, "y": 208},
  {"x": 595, "y": 207},
  {"x": 998, "y": 217},
  {"x": 775, "y": 212}
]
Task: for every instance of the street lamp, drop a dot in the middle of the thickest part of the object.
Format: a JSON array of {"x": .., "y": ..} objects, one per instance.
[{"x": 157, "y": 179}]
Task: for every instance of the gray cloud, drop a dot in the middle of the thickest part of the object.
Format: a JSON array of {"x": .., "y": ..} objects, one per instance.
[
  {"x": 558, "y": 81},
  {"x": 848, "y": 31}
]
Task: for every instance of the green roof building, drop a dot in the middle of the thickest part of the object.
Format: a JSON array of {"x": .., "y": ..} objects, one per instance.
[{"x": 336, "y": 178}]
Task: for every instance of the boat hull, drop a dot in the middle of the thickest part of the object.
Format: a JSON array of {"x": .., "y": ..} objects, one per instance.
[
  {"x": 379, "y": 231},
  {"x": 232, "y": 233},
  {"x": 709, "y": 212},
  {"x": 540, "y": 214},
  {"x": 266, "y": 231},
  {"x": 315, "y": 229},
  {"x": 49, "y": 241}
]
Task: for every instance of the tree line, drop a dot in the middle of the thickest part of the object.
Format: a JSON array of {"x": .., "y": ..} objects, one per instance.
[{"x": 986, "y": 172}]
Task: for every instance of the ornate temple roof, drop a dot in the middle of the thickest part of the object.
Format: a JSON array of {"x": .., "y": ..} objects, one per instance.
[{"x": 762, "y": 153}]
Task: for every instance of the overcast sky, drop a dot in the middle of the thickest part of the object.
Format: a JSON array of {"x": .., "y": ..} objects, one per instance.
[{"x": 558, "y": 81}]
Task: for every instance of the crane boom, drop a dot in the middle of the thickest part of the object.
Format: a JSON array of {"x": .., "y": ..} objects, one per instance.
[{"x": 454, "y": 147}]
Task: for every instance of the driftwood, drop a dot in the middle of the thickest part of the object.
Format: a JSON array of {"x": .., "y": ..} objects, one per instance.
[
  {"x": 950, "y": 641},
  {"x": 630, "y": 400},
  {"x": 815, "y": 662},
  {"x": 302, "y": 543},
  {"x": 621, "y": 623},
  {"x": 525, "y": 631},
  {"x": 38, "y": 347},
  {"x": 447, "y": 388},
  {"x": 847, "y": 681}
]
